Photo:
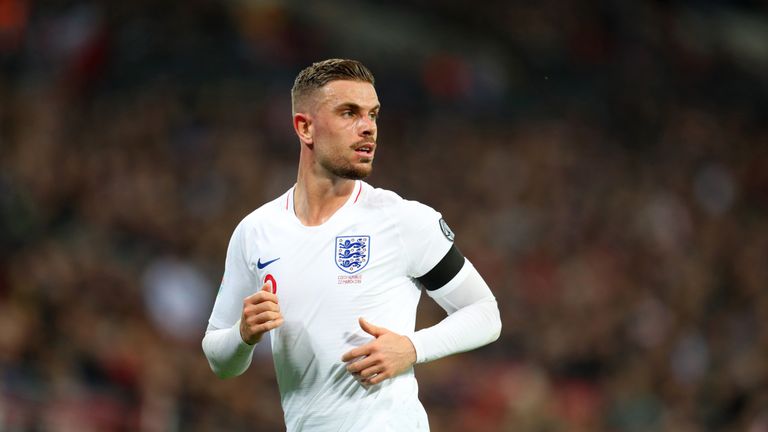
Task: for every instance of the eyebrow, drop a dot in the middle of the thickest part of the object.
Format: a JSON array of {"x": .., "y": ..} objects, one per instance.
[{"x": 355, "y": 107}]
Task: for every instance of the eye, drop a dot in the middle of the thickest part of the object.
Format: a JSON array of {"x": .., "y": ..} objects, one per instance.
[
  {"x": 374, "y": 115},
  {"x": 347, "y": 114}
]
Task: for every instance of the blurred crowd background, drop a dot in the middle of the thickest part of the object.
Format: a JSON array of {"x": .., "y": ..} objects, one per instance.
[{"x": 603, "y": 163}]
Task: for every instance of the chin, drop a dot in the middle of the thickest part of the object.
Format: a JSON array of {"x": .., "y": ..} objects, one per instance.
[
  {"x": 355, "y": 173},
  {"x": 351, "y": 171},
  {"x": 359, "y": 174}
]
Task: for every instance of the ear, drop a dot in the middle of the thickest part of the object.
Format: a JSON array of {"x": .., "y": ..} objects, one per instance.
[{"x": 302, "y": 124}]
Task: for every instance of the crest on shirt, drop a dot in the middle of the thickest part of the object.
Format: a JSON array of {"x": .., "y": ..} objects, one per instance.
[{"x": 352, "y": 252}]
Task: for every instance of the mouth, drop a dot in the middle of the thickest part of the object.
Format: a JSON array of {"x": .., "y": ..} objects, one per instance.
[{"x": 365, "y": 149}]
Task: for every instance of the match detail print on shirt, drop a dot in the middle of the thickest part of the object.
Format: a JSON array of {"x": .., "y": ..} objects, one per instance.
[{"x": 446, "y": 230}]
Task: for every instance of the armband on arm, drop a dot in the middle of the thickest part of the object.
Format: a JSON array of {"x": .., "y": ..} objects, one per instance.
[
  {"x": 473, "y": 315},
  {"x": 444, "y": 271}
]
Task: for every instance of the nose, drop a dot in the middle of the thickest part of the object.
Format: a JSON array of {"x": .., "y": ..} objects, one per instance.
[{"x": 367, "y": 127}]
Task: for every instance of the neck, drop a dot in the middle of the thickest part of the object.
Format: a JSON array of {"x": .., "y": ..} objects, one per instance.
[{"x": 316, "y": 199}]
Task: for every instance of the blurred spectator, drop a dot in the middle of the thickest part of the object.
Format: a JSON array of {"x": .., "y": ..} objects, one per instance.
[{"x": 177, "y": 297}]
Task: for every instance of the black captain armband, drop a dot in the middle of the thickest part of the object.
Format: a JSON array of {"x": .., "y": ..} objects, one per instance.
[{"x": 444, "y": 271}]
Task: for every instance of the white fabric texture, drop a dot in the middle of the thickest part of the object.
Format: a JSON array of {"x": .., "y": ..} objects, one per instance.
[
  {"x": 226, "y": 351},
  {"x": 473, "y": 317}
]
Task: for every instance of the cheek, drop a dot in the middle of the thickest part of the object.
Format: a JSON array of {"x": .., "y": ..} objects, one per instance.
[
  {"x": 333, "y": 134},
  {"x": 330, "y": 128}
]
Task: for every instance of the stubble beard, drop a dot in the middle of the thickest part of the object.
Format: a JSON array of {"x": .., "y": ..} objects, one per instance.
[
  {"x": 348, "y": 171},
  {"x": 340, "y": 166}
]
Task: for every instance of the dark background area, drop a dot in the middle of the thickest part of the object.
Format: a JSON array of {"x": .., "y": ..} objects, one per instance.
[{"x": 604, "y": 164}]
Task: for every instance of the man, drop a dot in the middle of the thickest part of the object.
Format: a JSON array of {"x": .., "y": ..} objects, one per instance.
[{"x": 334, "y": 268}]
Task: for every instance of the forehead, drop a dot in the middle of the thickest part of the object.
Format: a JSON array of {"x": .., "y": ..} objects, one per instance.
[{"x": 342, "y": 92}]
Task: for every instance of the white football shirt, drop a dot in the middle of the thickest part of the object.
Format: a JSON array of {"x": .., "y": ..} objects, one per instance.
[{"x": 360, "y": 263}]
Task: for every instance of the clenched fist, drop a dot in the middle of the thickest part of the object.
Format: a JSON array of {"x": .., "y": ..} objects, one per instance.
[{"x": 261, "y": 313}]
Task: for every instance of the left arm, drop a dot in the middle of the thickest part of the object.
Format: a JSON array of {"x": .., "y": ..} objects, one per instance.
[
  {"x": 432, "y": 258},
  {"x": 473, "y": 318},
  {"x": 473, "y": 321}
]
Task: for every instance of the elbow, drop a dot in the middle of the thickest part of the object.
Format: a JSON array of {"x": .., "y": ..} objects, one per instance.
[
  {"x": 496, "y": 331},
  {"x": 495, "y": 326},
  {"x": 220, "y": 367},
  {"x": 223, "y": 373}
]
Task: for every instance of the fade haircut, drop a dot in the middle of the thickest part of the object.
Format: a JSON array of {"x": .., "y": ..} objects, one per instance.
[{"x": 321, "y": 73}]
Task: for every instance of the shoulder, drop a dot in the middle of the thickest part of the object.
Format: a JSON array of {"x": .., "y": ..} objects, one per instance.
[
  {"x": 411, "y": 216},
  {"x": 269, "y": 212},
  {"x": 377, "y": 198}
]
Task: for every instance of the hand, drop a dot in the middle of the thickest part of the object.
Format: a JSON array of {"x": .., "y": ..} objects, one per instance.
[
  {"x": 261, "y": 313},
  {"x": 387, "y": 356}
]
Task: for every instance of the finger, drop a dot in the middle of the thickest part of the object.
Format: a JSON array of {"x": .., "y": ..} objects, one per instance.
[
  {"x": 260, "y": 296},
  {"x": 357, "y": 352},
  {"x": 253, "y": 309},
  {"x": 252, "y": 334},
  {"x": 262, "y": 318},
  {"x": 268, "y": 287},
  {"x": 371, "y": 329},
  {"x": 376, "y": 379},
  {"x": 368, "y": 373},
  {"x": 265, "y": 327},
  {"x": 271, "y": 325},
  {"x": 362, "y": 364}
]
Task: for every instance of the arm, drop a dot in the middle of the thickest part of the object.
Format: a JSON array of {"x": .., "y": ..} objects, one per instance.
[
  {"x": 240, "y": 315},
  {"x": 230, "y": 350},
  {"x": 473, "y": 320},
  {"x": 227, "y": 353},
  {"x": 432, "y": 258},
  {"x": 473, "y": 317}
]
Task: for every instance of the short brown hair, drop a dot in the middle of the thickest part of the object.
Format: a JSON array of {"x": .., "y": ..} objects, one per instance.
[{"x": 321, "y": 73}]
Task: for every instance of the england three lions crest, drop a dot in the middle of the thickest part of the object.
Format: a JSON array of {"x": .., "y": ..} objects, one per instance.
[{"x": 352, "y": 252}]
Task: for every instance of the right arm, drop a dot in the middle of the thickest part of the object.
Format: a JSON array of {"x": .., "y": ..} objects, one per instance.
[
  {"x": 240, "y": 317},
  {"x": 227, "y": 353},
  {"x": 230, "y": 350}
]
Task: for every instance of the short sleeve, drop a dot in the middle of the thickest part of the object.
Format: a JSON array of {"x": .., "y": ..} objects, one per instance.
[
  {"x": 237, "y": 283},
  {"x": 425, "y": 235}
]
